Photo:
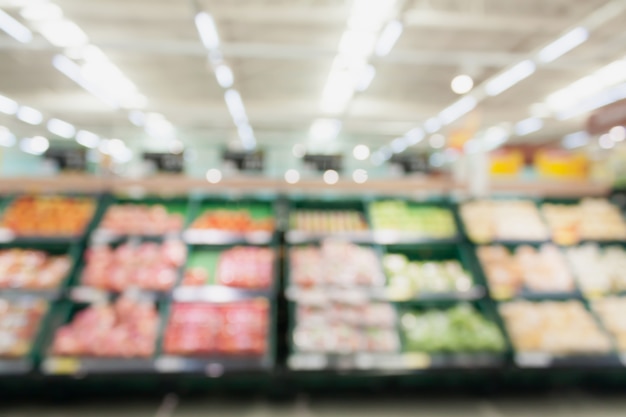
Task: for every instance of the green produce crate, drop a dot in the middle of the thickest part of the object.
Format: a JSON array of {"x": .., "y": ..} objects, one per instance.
[
  {"x": 442, "y": 252},
  {"x": 83, "y": 365},
  {"x": 258, "y": 209},
  {"x": 524, "y": 293},
  {"x": 27, "y": 363},
  {"x": 6, "y": 236},
  {"x": 52, "y": 248},
  {"x": 405, "y": 233},
  {"x": 327, "y": 205},
  {"x": 172, "y": 205},
  {"x": 545, "y": 360}
]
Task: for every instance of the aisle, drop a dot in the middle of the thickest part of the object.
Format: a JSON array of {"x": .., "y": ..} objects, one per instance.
[{"x": 571, "y": 404}]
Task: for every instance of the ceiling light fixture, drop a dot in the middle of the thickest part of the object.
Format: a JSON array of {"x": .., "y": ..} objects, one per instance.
[
  {"x": 235, "y": 106},
  {"x": 246, "y": 135},
  {"x": 606, "y": 142},
  {"x": 63, "y": 33},
  {"x": 224, "y": 76},
  {"x": 36, "y": 145},
  {"x": 462, "y": 84},
  {"x": 618, "y": 133},
  {"x": 388, "y": 38},
  {"x": 7, "y": 139},
  {"x": 414, "y": 136},
  {"x": 510, "y": 77},
  {"x": 366, "y": 78},
  {"x": 298, "y": 150},
  {"x": 324, "y": 129},
  {"x": 213, "y": 175},
  {"x": 207, "y": 30},
  {"x": 29, "y": 115},
  {"x": 457, "y": 110},
  {"x": 564, "y": 44},
  {"x": 14, "y": 29},
  {"x": 41, "y": 11},
  {"x": 61, "y": 128},
  {"x": 87, "y": 139},
  {"x": 432, "y": 125},
  {"x": 528, "y": 126},
  {"x": 437, "y": 141},
  {"x": 575, "y": 140},
  {"x": 399, "y": 145},
  {"x": 8, "y": 106},
  {"x": 359, "y": 176}
]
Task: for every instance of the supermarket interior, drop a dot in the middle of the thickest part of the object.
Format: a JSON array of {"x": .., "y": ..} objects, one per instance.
[{"x": 312, "y": 207}]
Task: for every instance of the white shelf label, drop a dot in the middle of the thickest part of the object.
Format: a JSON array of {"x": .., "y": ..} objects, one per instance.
[{"x": 533, "y": 359}]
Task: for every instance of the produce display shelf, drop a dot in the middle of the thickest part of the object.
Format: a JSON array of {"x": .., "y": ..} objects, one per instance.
[
  {"x": 394, "y": 362},
  {"x": 214, "y": 366},
  {"x": 548, "y": 360},
  {"x": 103, "y": 236},
  {"x": 86, "y": 294},
  {"x": 63, "y": 365},
  {"x": 219, "y": 237},
  {"x": 17, "y": 366},
  {"x": 217, "y": 294},
  {"x": 15, "y": 293},
  {"x": 477, "y": 292}
]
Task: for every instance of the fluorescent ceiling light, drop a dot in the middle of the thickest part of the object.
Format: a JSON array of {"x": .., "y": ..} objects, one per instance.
[
  {"x": 399, "y": 145},
  {"x": 158, "y": 126},
  {"x": 292, "y": 176},
  {"x": 495, "y": 137},
  {"x": 575, "y": 140},
  {"x": 388, "y": 37},
  {"x": 457, "y": 110},
  {"x": 87, "y": 139},
  {"x": 235, "y": 106},
  {"x": 61, "y": 128},
  {"x": 510, "y": 77},
  {"x": 72, "y": 71},
  {"x": 110, "y": 78},
  {"x": 374, "y": 9},
  {"x": 377, "y": 158},
  {"x": 92, "y": 53},
  {"x": 138, "y": 118},
  {"x": 331, "y": 177},
  {"x": 324, "y": 129},
  {"x": 207, "y": 30},
  {"x": 246, "y": 135},
  {"x": 7, "y": 139},
  {"x": 14, "y": 29},
  {"x": 386, "y": 152},
  {"x": 528, "y": 126},
  {"x": 298, "y": 150},
  {"x": 564, "y": 44},
  {"x": 606, "y": 142},
  {"x": 63, "y": 33},
  {"x": 36, "y": 145},
  {"x": 414, "y": 136},
  {"x": 224, "y": 76},
  {"x": 29, "y": 115},
  {"x": 361, "y": 152},
  {"x": 432, "y": 125},
  {"x": 337, "y": 92},
  {"x": 366, "y": 78},
  {"x": 618, "y": 133},
  {"x": 357, "y": 43},
  {"x": 8, "y": 106},
  {"x": 39, "y": 11},
  {"x": 595, "y": 102},
  {"x": 359, "y": 176}
]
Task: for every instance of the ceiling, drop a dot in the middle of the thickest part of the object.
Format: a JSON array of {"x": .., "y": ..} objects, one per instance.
[{"x": 281, "y": 52}]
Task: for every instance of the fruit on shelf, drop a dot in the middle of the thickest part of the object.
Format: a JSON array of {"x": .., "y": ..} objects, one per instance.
[
  {"x": 406, "y": 279},
  {"x": 538, "y": 270},
  {"x": 598, "y": 270},
  {"x": 32, "y": 269},
  {"x": 460, "y": 329},
  {"x": 346, "y": 328},
  {"x": 202, "y": 329},
  {"x": 246, "y": 267},
  {"x": 125, "y": 329},
  {"x": 19, "y": 322},
  {"x": 513, "y": 220},
  {"x": 141, "y": 219},
  {"x": 235, "y": 221},
  {"x": 195, "y": 277},
  {"x": 424, "y": 221},
  {"x": 612, "y": 313},
  {"x": 591, "y": 219},
  {"x": 48, "y": 216},
  {"x": 328, "y": 221},
  {"x": 147, "y": 266},
  {"x": 336, "y": 263},
  {"x": 560, "y": 328}
]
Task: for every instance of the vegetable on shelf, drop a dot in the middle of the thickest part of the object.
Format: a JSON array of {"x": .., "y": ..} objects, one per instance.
[
  {"x": 460, "y": 329},
  {"x": 147, "y": 266},
  {"x": 48, "y": 216},
  {"x": 141, "y": 219},
  {"x": 19, "y": 322},
  {"x": 32, "y": 269},
  {"x": 598, "y": 270},
  {"x": 236, "y": 221},
  {"x": 328, "y": 221},
  {"x": 612, "y": 313},
  {"x": 399, "y": 216},
  {"x": 202, "y": 329},
  {"x": 560, "y": 328},
  {"x": 125, "y": 329}
]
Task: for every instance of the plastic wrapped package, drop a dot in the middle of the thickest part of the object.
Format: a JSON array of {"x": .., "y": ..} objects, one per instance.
[
  {"x": 19, "y": 323},
  {"x": 141, "y": 219}
]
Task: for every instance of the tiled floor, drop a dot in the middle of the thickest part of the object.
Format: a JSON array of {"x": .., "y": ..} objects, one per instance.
[{"x": 570, "y": 404}]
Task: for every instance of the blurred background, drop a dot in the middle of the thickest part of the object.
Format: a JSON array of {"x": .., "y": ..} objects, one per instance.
[{"x": 281, "y": 200}]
